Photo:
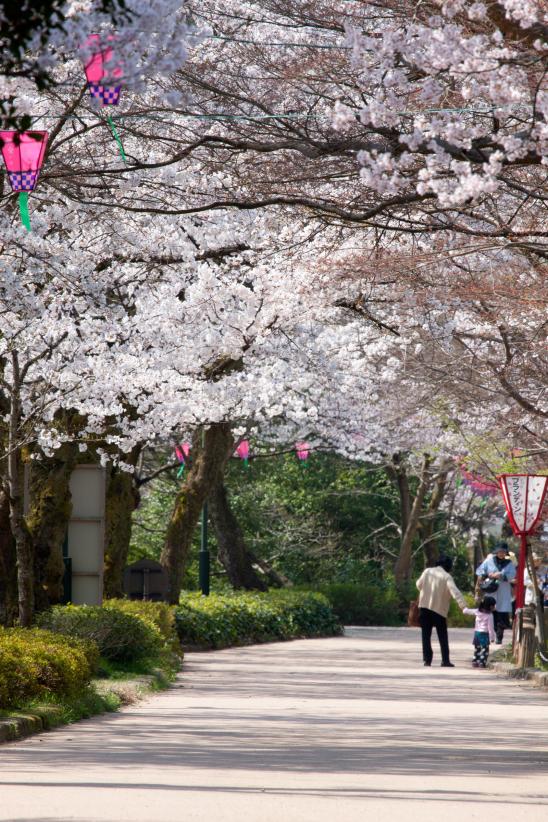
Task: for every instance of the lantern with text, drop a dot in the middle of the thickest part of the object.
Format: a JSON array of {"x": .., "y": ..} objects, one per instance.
[
  {"x": 243, "y": 452},
  {"x": 182, "y": 453},
  {"x": 303, "y": 450},
  {"x": 104, "y": 77},
  {"x": 23, "y": 154},
  {"x": 524, "y": 497}
]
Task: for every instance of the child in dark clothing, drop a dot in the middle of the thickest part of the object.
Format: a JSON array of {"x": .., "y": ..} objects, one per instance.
[{"x": 484, "y": 632}]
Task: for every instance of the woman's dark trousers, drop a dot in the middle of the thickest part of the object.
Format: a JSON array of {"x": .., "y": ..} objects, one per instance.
[
  {"x": 430, "y": 619},
  {"x": 502, "y": 622}
]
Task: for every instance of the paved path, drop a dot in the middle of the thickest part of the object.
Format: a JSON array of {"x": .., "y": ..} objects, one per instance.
[{"x": 352, "y": 728}]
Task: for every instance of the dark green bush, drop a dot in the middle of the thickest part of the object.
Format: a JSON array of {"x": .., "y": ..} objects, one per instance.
[
  {"x": 120, "y": 636},
  {"x": 456, "y": 619},
  {"x": 36, "y": 663},
  {"x": 159, "y": 614},
  {"x": 221, "y": 620},
  {"x": 363, "y": 604}
]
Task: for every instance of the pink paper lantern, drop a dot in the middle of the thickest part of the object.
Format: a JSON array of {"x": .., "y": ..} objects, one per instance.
[
  {"x": 182, "y": 453},
  {"x": 303, "y": 450},
  {"x": 100, "y": 67},
  {"x": 243, "y": 451},
  {"x": 23, "y": 154}
]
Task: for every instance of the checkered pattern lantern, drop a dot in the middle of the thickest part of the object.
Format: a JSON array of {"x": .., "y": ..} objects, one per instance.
[
  {"x": 100, "y": 67},
  {"x": 104, "y": 77},
  {"x": 23, "y": 154},
  {"x": 524, "y": 496}
]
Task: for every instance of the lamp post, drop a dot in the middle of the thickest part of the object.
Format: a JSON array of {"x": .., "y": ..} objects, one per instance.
[{"x": 204, "y": 565}]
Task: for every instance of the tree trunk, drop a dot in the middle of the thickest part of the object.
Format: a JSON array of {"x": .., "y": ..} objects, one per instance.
[
  {"x": 527, "y": 641},
  {"x": 122, "y": 498},
  {"x": 23, "y": 545},
  {"x": 398, "y": 475},
  {"x": 8, "y": 565},
  {"x": 232, "y": 551},
  {"x": 402, "y": 568},
  {"x": 428, "y": 520},
  {"x": 47, "y": 519},
  {"x": 205, "y": 471}
]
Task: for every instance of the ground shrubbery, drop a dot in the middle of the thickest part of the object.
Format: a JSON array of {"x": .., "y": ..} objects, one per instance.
[
  {"x": 221, "y": 620},
  {"x": 120, "y": 636},
  {"x": 158, "y": 614},
  {"x": 363, "y": 603},
  {"x": 36, "y": 663}
]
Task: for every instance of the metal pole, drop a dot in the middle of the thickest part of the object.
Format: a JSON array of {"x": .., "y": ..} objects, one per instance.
[
  {"x": 204, "y": 555},
  {"x": 204, "y": 552}
]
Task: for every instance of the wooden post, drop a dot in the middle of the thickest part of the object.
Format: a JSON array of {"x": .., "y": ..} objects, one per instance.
[{"x": 526, "y": 645}]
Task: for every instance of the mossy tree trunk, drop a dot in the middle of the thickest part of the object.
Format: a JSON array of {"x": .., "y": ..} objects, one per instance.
[
  {"x": 8, "y": 565},
  {"x": 427, "y": 523},
  {"x": 122, "y": 498},
  {"x": 232, "y": 551},
  {"x": 21, "y": 536},
  {"x": 205, "y": 471},
  {"x": 48, "y": 518},
  {"x": 411, "y": 509}
]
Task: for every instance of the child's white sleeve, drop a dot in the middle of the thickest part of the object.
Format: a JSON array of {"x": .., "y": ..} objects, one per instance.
[{"x": 472, "y": 611}]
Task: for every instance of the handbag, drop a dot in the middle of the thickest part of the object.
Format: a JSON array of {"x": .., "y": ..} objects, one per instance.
[
  {"x": 413, "y": 616},
  {"x": 489, "y": 586}
]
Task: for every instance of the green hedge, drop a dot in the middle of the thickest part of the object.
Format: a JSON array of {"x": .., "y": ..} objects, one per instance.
[
  {"x": 120, "y": 636},
  {"x": 36, "y": 663},
  {"x": 363, "y": 604},
  {"x": 221, "y": 620},
  {"x": 158, "y": 614},
  {"x": 455, "y": 617}
]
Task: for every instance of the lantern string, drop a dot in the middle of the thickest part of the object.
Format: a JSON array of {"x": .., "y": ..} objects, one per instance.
[
  {"x": 24, "y": 209},
  {"x": 116, "y": 136}
]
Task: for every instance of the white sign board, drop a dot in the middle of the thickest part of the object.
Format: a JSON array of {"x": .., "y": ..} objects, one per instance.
[{"x": 86, "y": 534}]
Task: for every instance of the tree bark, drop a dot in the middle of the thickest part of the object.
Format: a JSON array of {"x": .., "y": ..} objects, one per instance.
[
  {"x": 527, "y": 642},
  {"x": 402, "y": 568},
  {"x": 23, "y": 545},
  {"x": 428, "y": 519},
  {"x": 8, "y": 565},
  {"x": 47, "y": 519},
  {"x": 398, "y": 474},
  {"x": 232, "y": 551},
  {"x": 122, "y": 498},
  {"x": 205, "y": 471}
]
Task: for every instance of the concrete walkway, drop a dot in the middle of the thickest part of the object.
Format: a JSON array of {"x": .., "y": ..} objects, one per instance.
[{"x": 352, "y": 728}]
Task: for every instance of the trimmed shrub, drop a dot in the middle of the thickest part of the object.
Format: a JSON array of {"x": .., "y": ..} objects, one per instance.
[
  {"x": 159, "y": 614},
  {"x": 120, "y": 636},
  {"x": 363, "y": 604},
  {"x": 36, "y": 663},
  {"x": 455, "y": 617},
  {"x": 221, "y": 620}
]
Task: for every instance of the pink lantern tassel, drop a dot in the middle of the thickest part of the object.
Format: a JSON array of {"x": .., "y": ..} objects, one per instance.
[{"x": 118, "y": 139}]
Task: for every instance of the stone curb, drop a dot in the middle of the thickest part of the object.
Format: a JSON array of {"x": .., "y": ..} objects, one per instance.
[
  {"x": 537, "y": 678},
  {"x": 128, "y": 691}
]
